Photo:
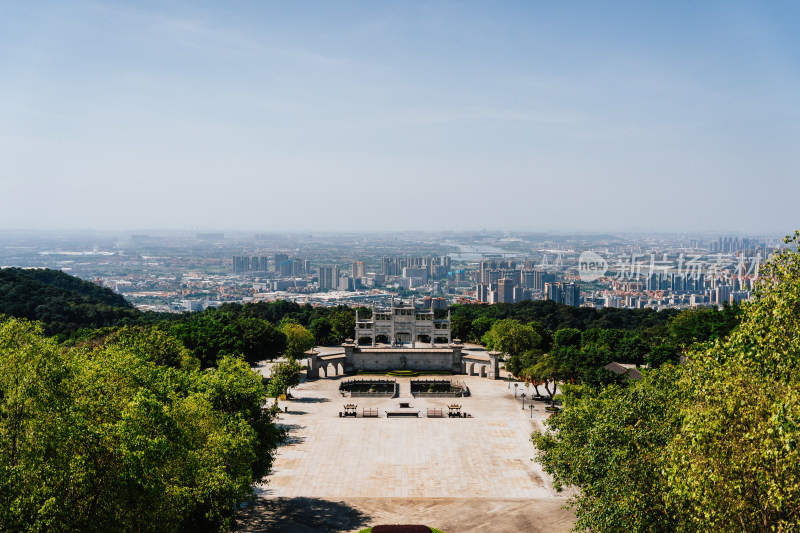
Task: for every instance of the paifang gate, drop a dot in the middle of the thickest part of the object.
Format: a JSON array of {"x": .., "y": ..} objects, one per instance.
[{"x": 448, "y": 358}]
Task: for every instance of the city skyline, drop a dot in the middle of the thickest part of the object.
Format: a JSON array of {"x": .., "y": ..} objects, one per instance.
[{"x": 431, "y": 116}]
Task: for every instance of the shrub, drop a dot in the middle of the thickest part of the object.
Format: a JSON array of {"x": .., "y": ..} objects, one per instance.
[{"x": 401, "y": 529}]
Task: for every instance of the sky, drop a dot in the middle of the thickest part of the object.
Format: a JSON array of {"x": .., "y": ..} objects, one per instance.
[{"x": 400, "y": 115}]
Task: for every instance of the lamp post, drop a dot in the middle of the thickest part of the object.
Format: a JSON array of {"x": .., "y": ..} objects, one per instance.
[
  {"x": 523, "y": 401},
  {"x": 531, "y": 407},
  {"x": 515, "y": 389}
]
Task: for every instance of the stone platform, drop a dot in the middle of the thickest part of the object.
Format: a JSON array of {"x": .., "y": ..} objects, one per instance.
[{"x": 445, "y": 462}]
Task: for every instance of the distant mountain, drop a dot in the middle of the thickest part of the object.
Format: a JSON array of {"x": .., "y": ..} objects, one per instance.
[{"x": 62, "y": 302}]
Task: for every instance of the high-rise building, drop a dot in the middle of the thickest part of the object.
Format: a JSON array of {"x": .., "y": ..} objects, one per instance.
[
  {"x": 388, "y": 267},
  {"x": 420, "y": 273},
  {"x": 482, "y": 292},
  {"x": 359, "y": 271},
  {"x": 572, "y": 294},
  {"x": 505, "y": 291},
  {"x": 278, "y": 259},
  {"x": 286, "y": 267},
  {"x": 345, "y": 283},
  {"x": 328, "y": 277},
  {"x": 241, "y": 264},
  {"x": 483, "y": 274},
  {"x": 535, "y": 279},
  {"x": 552, "y": 291}
]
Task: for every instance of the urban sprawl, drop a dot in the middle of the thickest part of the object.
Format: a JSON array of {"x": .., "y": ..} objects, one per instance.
[{"x": 178, "y": 272}]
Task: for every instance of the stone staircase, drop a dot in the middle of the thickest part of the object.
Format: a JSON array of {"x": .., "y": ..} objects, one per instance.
[{"x": 404, "y": 388}]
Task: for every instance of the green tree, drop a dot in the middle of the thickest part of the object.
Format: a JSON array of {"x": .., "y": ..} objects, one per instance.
[
  {"x": 735, "y": 465},
  {"x": 544, "y": 334},
  {"x": 548, "y": 370},
  {"x": 480, "y": 326},
  {"x": 284, "y": 374},
  {"x": 323, "y": 331},
  {"x": 567, "y": 337},
  {"x": 703, "y": 324},
  {"x": 632, "y": 348},
  {"x": 707, "y": 446},
  {"x": 298, "y": 339},
  {"x": 213, "y": 334},
  {"x": 343, "y": 322},
  {"x": 461, "y": 327},
  {"x": 612, "y": 445},
  {"x": 153, "y": 345},
  {"x": 107, "y": 439},
  {"x": 663, "y": 354},
  {"x": 511, "y": 337}
]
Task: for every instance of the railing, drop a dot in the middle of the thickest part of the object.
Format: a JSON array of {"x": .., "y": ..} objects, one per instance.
[
  {"x": 464, "y": 390},
  {"x": 367, "y": 394},
  {"x": 368, "y": 380}
]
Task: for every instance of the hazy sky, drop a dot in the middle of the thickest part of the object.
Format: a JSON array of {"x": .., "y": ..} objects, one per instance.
[{"x": 335, "y": 115}]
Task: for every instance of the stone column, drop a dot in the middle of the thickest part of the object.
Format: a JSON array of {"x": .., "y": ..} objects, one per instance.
[
  {"x": 373, "y": 324},
  {"x": 312, "y": 364},
  {"x": 349, "y": 355},
  {"x": 457, "y": 347},
  {"x": 494, "y": 365},
  {"x": 413, "y": 327}
]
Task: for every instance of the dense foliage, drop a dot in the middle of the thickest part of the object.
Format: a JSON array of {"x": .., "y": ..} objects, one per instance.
[
  {"x": 125, "y": 435},
  {"x": 707, "y": 446},
  {"x": 283, "y": 374},
  {"x": 612, "y": 443},
  {"x": 213, "y": 334},
  {"x": 472, "y": 321},
  {"x": 63, "y": 303}
]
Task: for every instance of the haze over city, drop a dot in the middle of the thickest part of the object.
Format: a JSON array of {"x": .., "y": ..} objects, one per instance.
[{"x": 344, "y": 116}]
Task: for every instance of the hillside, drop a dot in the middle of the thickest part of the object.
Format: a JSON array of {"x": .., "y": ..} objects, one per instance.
[{"x": 62, "y": 302}]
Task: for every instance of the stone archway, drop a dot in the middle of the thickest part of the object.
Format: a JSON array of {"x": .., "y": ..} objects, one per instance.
[
  {"x": 339, "y": 369},
  {"x": 482, "y": 371},
  {"x": 470, "y": 369},
  {"x": 323, "y": 371}
]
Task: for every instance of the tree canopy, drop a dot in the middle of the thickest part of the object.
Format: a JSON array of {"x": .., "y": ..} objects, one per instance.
[
  {"x": 62, "y": 303},
  {"x": 511, "y": 337},
  {"x": 298, "y": 339},
  {"x": 109, "y": 438},
  {"x": 215, "y": 333},
  {"x": 711, "y": 445}
]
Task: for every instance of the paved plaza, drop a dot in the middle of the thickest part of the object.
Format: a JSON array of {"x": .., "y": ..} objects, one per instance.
[{"x": 456, "y": 471}]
